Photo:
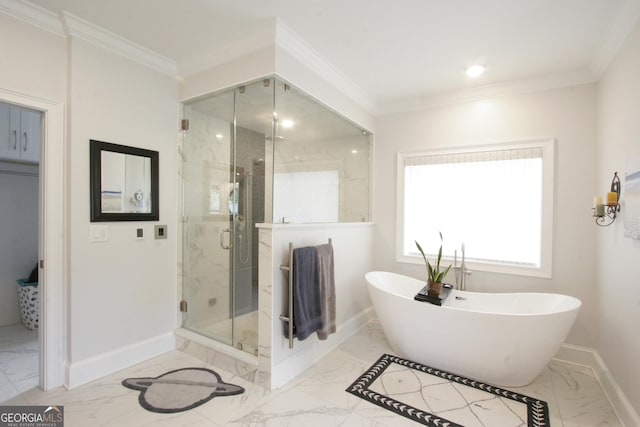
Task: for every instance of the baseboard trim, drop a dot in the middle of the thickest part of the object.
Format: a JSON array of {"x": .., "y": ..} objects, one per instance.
[
  {"x": 590, "y": 357},
  {"x": 316, "y": 349},
  {"x": 107, "y": 363}
]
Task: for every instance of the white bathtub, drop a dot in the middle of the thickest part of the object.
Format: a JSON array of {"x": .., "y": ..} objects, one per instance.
[{"x": 503, "y": 339}]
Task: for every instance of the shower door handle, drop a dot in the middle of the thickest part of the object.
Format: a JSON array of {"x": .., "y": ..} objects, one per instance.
[{"x": 224, "y": 245}]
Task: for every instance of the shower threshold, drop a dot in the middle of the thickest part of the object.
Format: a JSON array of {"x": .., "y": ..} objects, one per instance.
[
  {"x": 245, "y": 331},
  {"x": 217, "y": 354}
]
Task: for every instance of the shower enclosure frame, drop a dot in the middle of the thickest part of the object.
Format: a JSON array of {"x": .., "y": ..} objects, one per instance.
[
  {"x": 236, "y": 234},
  {"x": 271, "y": 133}
]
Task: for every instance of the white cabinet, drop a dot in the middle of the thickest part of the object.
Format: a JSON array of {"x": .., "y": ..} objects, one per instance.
[
  {"x": 20, "y": 133},
  {"x": 7, "y": 148}
]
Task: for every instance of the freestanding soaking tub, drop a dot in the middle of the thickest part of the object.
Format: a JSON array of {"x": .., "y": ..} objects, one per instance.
[{"x": 503, "y": 339}]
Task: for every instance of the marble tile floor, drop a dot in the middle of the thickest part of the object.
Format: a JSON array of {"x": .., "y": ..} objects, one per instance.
[
  {"x": 18, "y": 360},
  {"x": 315, "y": 398}
]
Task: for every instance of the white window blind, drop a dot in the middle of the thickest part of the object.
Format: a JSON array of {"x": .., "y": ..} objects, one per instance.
[{"x": 491, "y": 198}]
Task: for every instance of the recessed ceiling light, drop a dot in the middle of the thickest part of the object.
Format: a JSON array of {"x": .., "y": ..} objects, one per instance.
[
  {"x": 475, "y": 70},
  {"x": 286, "y": 123}
]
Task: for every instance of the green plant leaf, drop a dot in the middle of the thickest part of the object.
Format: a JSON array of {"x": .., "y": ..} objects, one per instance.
[
  {"x": 446, "y": 271},
  {"x": 434, "y": 274},
  {"x": 423, "y": 257}
]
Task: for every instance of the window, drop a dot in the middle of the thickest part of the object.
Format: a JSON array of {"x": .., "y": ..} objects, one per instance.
[
  {"x": 497, "y": 200},
  {"x": 306, "y": 196}
]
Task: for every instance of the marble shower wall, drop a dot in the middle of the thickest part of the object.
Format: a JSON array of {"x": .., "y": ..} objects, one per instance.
[{"x": 349, "y": 155}]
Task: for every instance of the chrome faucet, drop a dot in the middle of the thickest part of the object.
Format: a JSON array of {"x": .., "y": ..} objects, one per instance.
[{"x": 461, "y": 272}]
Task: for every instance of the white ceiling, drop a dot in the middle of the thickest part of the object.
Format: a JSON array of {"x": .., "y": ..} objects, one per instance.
[{"x": 393, "y": 50}]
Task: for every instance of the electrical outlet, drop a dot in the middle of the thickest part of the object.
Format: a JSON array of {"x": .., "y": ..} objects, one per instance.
[{"x": 160, "y": 231}]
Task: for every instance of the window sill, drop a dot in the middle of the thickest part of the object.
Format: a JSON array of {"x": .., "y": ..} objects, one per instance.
[{"x": 486, "y": 267}]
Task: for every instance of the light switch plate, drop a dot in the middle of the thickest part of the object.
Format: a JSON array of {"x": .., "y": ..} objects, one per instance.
[
  {"x": 140, "y": 233},
  {"x": 98, "y": 233}
]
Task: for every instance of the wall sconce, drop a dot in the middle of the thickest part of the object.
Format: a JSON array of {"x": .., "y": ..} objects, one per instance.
[{"x": 605, "y": 214}]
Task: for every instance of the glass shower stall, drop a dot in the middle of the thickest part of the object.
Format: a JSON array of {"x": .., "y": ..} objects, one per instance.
[{"x": 261, "y": 152}]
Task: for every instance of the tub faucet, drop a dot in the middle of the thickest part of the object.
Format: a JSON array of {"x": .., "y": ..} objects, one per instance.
[{"x": 461, "y": 271}]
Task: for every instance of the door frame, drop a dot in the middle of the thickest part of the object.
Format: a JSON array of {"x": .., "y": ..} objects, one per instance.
[{"x": 52, "y": 238}]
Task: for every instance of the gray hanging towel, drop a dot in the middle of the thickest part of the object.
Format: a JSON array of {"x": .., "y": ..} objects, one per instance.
[
  {"x": 307, "y": 314},
  {"x": 327, "y": 290}
]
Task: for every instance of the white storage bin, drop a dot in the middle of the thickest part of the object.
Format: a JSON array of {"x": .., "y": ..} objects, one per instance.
[{"x": 29, "y": 299}]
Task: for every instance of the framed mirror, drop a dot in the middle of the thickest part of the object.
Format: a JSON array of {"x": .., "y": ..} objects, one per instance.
[{"x": 124, "y": 183}]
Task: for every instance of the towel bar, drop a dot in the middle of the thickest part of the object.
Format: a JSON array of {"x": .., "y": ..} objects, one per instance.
[{"x": 289, "y": 270}]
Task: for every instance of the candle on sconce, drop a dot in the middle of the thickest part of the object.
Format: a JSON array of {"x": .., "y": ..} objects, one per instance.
[
  {"x": 605, "y": 214},
  {"x": 597, "y": 201}
]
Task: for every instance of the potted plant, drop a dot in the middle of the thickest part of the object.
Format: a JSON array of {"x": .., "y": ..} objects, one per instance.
[{"x": 434, "y": 274}]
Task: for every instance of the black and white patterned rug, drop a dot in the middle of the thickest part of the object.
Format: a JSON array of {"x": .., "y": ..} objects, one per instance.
[{"x": 437, "y": 398}]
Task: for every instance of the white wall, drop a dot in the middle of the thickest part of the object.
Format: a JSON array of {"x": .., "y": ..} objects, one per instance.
[
  {"x": 122, "y": 299},
  {"x": 33, "y": 72},
  {"x": 33, "y": 61},
  {"x": 618, "y": 285},
  {"x": 569, "y": 115},
  {"x": 230, "y": 74}
]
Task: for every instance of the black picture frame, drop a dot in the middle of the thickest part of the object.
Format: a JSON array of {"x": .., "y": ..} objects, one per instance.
[{"x": 95, "y": 178}]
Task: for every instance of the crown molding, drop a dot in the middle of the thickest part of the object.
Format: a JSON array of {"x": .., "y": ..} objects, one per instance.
[
  {"x": 68, "y": 25},
  {"x": 261, "y": 38},
  {"x": 628, "y": 17},
  {"x": 85, "y": 30},
  {"x": 495, "y": 90},
  {"x": 273, "y": 33},
  {"x": 34, "y": 15},
  {"x": 290, "y": 42}
]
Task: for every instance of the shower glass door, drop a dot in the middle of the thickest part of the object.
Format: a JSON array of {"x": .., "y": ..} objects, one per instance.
[
  {"x": 208, "y": 184},
  {"x": 224, "y": 186}
]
